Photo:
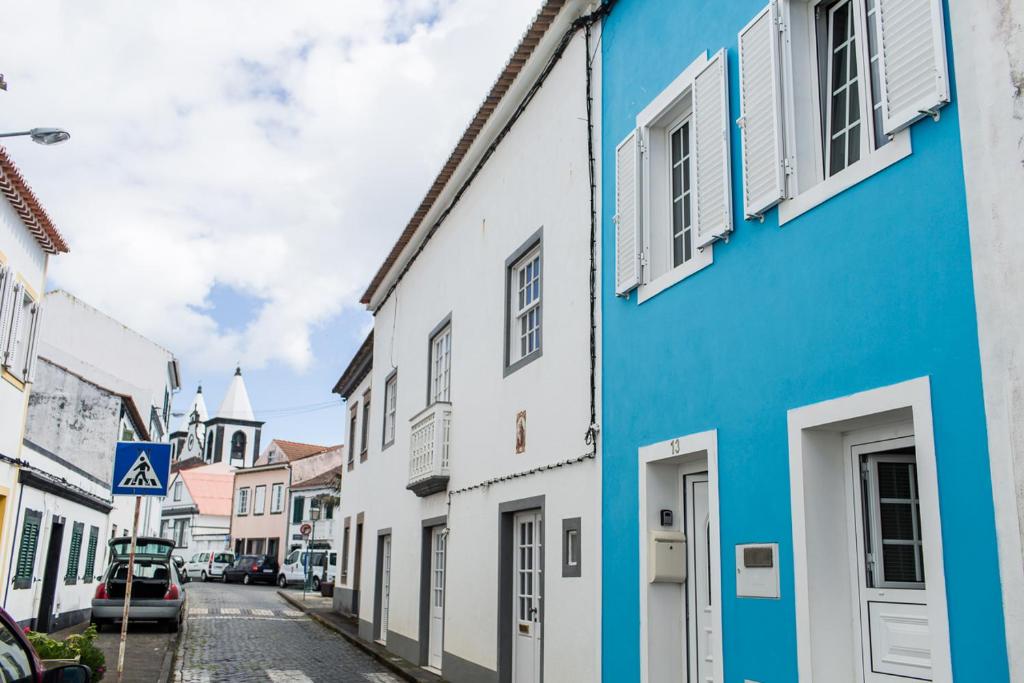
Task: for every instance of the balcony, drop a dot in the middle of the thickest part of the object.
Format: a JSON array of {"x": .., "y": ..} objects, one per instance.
[{"x": 430, "y": 450}]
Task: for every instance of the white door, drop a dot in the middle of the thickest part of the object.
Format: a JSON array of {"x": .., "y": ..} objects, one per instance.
[
  {"x": 385, "y": 588},
  {"x": 437, "y": 550},
  {"x": 891, "y": 593},
  {"x": 698, "y": 586},
  {"x": 526, "y": 597}
]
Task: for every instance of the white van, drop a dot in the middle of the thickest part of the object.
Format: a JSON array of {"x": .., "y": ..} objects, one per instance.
[
  {"x": 293, "y": 569},
  {"x": 209, "y": 564}
]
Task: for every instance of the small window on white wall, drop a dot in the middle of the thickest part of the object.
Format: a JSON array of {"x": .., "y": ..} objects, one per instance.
[
  {"x": 441, "y": 365},
  {"x": 390, "y": 408},
  {"x": 523, "y": 307},
  {"x": 20, "y": 318}
]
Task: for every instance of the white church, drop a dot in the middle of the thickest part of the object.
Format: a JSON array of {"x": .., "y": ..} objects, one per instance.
[{"x": 232, "y": 436}]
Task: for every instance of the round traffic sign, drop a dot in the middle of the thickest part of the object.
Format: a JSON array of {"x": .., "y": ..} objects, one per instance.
[{"x": 305, "y": 529}]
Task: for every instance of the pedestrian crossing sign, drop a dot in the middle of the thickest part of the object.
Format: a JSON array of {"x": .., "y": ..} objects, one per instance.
[{"x": 141, "y": 469}]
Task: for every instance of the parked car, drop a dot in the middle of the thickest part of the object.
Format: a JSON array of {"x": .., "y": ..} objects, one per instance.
[
  {"x": 19, "y": 662},
  {"x": 209, "y": 564},
  {"x": 252, "y": 569},
  {"x": 294, "y": 568},
  {"x": 179, "y": 562},
  {"x": 158, "y": 591}
]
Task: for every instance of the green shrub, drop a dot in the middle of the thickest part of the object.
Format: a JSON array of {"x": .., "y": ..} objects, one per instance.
[{"x": 81, "y": 645}]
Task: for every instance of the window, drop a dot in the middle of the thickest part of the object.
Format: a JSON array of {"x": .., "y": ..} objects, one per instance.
[
  {"x": 243, "y": 501},
  {"x": 90, "y": 554},
  {"x": 441, "y": 364},
  {"x": 27, "y": 549},
  {"x": 892, "y": 522},
  {"x": 825, "y": 101},
  {"x": 74, "y": 554},
  {"x": 673, "y": 190},
  {"x": 298, "y": 509},
  {"x": 390, "y": 408},
  {"x": 18, "y": 665},
  {"x": 571, "y": 559},
  {"x": 314, "y": 504},
  {"x": 19, "y": 326},
  {"x": 177, "y": 491},
  {"x": 364, "y": 435},
  {"x": 328, "y": 510},
  {"x": 353, "y": 422},
  {"x": 180, "y": 525},
  {"x": 238, "y": 446},
  {"x": 259, "y": 500},
  {"x": 208, "y": 455},
  {"x": 344, "y": 552},
  {"x": 276, "y": 499},
  {"x": 523, "y": 291}
]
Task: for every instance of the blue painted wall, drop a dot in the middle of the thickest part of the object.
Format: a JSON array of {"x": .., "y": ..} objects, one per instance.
[{"x": 869, "y": 289}]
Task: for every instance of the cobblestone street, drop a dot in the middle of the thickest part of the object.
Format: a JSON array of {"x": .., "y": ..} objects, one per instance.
[{"x": 248, "y": 633}]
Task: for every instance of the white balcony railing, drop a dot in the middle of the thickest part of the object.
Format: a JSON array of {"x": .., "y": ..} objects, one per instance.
[{"x": 430, "y": 443}]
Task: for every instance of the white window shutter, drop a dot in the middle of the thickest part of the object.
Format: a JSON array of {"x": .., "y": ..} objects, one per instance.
[
  {"x": 760, "y": 122},
  {"x": 13, "y": 335},
  {"x": 32, "y": 339},
  {"x": 711, "y": 151},
  {"x": 6, "y": 308},
  {"x": 627, "y": 214},
  {"x": 915, "y": 77}
]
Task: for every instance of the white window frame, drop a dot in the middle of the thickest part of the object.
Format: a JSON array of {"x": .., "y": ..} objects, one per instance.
[
  {"x": 180, "y": 531},
  {"x": 276, "y": 498},
  {"x": 873, "y": 518},
  {"x": 259, "y": 502},
  {"x": 21, "y": 328},
  {"x": 529, "y": 257},
  {"x": 809, "y": 185},
  {"x": 671, "y": 107},
  {"x": 243, "y": 501},
  {"x": 390, "y": 409},
  {"x": 440, "y": 367},
  {"x": 177, "y": 491}
]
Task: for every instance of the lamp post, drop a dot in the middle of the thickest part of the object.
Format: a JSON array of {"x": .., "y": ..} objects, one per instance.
[
  {"x": 314, "y": 515},
  {"x": 42, "y": 136}
]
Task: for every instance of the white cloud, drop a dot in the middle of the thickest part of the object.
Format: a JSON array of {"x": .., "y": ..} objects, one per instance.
[{"x": 276, "y": 151}]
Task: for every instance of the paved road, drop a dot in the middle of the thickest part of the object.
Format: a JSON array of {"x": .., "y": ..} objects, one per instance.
[{"x": 245, "y": 634}]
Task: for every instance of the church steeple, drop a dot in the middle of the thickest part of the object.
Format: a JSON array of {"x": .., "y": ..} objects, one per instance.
[{"x": 236, "y": 404}]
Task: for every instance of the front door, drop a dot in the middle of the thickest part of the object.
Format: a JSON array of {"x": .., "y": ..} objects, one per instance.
[
  {"x": 526, "y": 597},
  {"x": 891, "y": 590},
  {"x": 437, "y": 550},
  {"x": 698, "y": 586},
  {"x": 385, "y": 588},
  {"x": 50, "y": 570}
]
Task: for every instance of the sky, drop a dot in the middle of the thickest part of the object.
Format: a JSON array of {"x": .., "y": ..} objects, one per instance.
[{"x": 238, "y": 170}]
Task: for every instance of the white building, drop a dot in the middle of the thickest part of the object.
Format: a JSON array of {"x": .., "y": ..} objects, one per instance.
[
  {"x": 472, "y": 456},
  {"x": 103, "y": 350},
  {"x": 197, "y": 510},
  {"x": 27, "y": 240},
  {"x": 315, "y": 493},
  {"x": 62, "y": 514}
]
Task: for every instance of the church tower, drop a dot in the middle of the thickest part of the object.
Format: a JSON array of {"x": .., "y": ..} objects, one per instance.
[
  {"x": 233, "y": 435},
  {"x": 187, "y": 439}
]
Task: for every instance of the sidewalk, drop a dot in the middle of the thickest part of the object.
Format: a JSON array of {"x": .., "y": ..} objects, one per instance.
[
  {"x": 321, "y": 610},
  {"x": 147, "y": 656}
]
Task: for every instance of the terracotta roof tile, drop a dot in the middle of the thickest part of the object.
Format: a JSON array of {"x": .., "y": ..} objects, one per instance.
[
  {"x": 322, "y": 479},
  {"x": 28, "y": 207}
]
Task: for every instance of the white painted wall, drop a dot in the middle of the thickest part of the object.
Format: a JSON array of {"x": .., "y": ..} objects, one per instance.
[
  {"x": 536, "y": 179},
  {"x": 988, "y": 51}
]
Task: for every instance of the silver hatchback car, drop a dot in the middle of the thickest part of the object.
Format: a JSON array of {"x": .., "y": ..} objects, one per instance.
[{"x": 158, "y": 591}]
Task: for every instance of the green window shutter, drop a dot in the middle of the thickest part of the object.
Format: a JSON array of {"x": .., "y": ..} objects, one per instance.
[
  {"x": 329, "y": 511},
  {"x": 74, "y": 553},
  {"x": 90, "y": 554},
  {"x": 27, "y": 549},
  {"x": 297, "y": 509}
]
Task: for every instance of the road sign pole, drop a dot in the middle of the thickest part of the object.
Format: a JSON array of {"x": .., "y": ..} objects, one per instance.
[{"x": 128, "y": 591}]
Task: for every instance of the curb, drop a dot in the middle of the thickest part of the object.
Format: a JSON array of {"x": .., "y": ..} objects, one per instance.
[
  {"x": 178, "y": 660},
  {"x": 171, "y": 655},
  {"x": 355, "y": 640}
]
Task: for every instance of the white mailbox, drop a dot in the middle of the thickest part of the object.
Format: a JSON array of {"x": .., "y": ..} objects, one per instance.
[
  {"x": 666, "y": 558},
  {"x": 757, "y": 570}
]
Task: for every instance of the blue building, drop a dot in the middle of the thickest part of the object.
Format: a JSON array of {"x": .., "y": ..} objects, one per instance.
[{"x": 796, "y": 472}]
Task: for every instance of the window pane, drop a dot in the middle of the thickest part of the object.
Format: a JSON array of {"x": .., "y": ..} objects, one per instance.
[
  {"x": 900, "y": 563},
  {"x": 838, "y": 111},
  {"x": 894, "y": 479},
  {"x": 897, "y": 522}
]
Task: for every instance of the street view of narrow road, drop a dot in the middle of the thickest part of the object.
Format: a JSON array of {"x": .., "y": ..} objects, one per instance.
[{"x": 242, "y": 633}]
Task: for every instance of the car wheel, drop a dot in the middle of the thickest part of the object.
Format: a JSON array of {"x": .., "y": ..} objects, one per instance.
[
  {"x": 224, "y": 577},
  {"x": 316, "y": 583},
  {"x": 246, "y": 580},
  {"x": 282, "y": 581},
  {"x": 203, "y": 577}
]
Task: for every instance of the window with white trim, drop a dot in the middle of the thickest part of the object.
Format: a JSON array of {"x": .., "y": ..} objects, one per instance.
[
  {"x": 276, "y": 499},
  {"x": 243, "y": 501},
  {"x": 441, "y": 365},
  {"x": 523, "y": 307},
  {"x": 892, "y": 510},
  {"x": 390, "y": 408},
  {"x": 259, "y": 500},
  {"x": 673, "y": 189},
  {"x": 20, "y": 318},
  {"x": 828, "y": 89},
  {"x": 177, "y": 491}
]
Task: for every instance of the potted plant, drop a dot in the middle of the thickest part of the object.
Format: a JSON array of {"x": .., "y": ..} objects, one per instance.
[{"x": 79, "y": 648}]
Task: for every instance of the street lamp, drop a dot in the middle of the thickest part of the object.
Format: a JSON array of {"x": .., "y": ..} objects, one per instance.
[
  {"x": 42, "y": 136},
  {"x": 314, "y": 515}
]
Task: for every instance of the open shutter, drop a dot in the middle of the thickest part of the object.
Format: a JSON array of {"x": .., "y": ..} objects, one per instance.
[
  {"x": 711, "y": 153},
  {"x": 627, "y": 214},
  {"x": 25, "y": 567},
  {"x": 915, "y": 79},
  {"x": 17, "y": 302},
  {"x": 760, "y": 121},
  {"x": 32, "y": 339},
  {"x": 6, "y": 307}
]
